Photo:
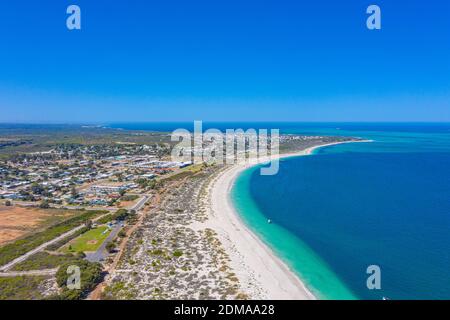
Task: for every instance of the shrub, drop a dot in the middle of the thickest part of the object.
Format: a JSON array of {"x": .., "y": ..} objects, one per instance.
[
  {"x": 129, "y": 197},
  {"x": 21, "y": 288},
  {"x": 88, "y": 224},
  {"x": 43, "y": 260},
  {"x": 44, "y": 204},
  {"x": 90, "y": 275},
  {"x": 157, "y": 252},
  {"x": 177, "y": 253},
  {"x": 120, "y": 215},
  {"x": 110, "y": 247},
  {"x": 105, "y": 219}
]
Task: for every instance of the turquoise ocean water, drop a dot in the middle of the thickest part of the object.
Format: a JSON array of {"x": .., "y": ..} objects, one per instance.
[{"x": 348, "y": 206}]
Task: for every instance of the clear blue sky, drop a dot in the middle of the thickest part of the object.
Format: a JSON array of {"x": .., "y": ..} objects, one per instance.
[{"x": 225, "y": 60}]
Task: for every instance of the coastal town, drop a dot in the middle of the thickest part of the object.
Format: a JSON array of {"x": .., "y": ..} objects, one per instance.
[
  {"x": 82, "y": 176},
  {"x": 136, "y": 223}
]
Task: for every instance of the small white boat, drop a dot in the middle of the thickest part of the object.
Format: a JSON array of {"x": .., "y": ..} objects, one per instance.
[{"x": 269, "y": 221}]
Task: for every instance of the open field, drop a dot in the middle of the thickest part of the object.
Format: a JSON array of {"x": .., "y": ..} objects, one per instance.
[
  {"x": 21, "y": 246},
  {"x": 182, "y": 173},
  {"x": 128, "y": 201},
  {"x": 17, "y": 222},
  {"x": 88, "y": 241},
  {"x": 125, "y": 204}
]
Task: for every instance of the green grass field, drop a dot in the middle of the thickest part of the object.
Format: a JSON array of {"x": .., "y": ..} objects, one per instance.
[{"x": 88, "y": 241}]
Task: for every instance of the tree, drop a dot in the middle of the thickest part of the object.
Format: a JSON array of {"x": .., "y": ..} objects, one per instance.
[
  {"x": 91, "y": 275},
  {"x": 110, "y": 247},
  {"x": 74, "y": 192},
  {"x": 142, "y": 182},
  {"x": 88, "y": 224},
  {"x": 44, "y": 204},
  {"x": 36, "y": 188},
  {"x": 119, "y": 176},
  {"x": 8, "y": 203},
  {"x": 121, "y": 214}
]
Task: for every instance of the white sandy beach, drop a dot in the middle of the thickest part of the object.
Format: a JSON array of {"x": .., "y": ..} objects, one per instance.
[{"x": 261, "y": 273}]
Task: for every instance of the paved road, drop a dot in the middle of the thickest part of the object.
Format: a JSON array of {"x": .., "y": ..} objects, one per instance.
[
  {"x": 138, "y": 206},
  {"x": 45, "y": 272},
  {"x": 99, "y": 255}
]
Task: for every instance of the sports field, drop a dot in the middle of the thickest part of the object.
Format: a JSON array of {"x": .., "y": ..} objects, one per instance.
[{"x": 88, "y": 241}]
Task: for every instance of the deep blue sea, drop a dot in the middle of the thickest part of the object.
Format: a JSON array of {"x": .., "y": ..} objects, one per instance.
[{"x": 334, "y": 213}]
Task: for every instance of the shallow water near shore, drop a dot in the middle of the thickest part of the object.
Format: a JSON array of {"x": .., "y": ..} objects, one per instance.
[
  {"x": 311, "y": 269},
  {"x": 349, "y": 206}
]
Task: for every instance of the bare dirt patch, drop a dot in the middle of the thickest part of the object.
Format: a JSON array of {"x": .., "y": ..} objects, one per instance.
[
  {"x": 127, "y": 204},
  {"x": 16, "y": 222}
]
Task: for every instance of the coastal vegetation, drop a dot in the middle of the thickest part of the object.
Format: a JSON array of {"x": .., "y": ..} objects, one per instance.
[
  {"x": 90, "y": 275},
  {"x": 22, "y": 288},
  {"x": 130, "y": 197},
  {"x": 105, "y": 219},
  {"x": 119, "y": 290},
  {"x": 175, "y": 261},
  {"x": 44, "y": 260},
  {"x": 110, "y": 247},
  {"x": 120, "y": 215}
]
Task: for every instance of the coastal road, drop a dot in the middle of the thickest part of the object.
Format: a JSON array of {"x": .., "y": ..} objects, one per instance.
[{"x": 140, "y": 204}]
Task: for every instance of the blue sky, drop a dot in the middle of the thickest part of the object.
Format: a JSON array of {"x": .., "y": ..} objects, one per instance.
[{"x": 224, "y": 60}]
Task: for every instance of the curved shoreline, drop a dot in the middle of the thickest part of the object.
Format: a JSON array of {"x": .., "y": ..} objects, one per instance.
[{"x": 262, "y": 274}]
